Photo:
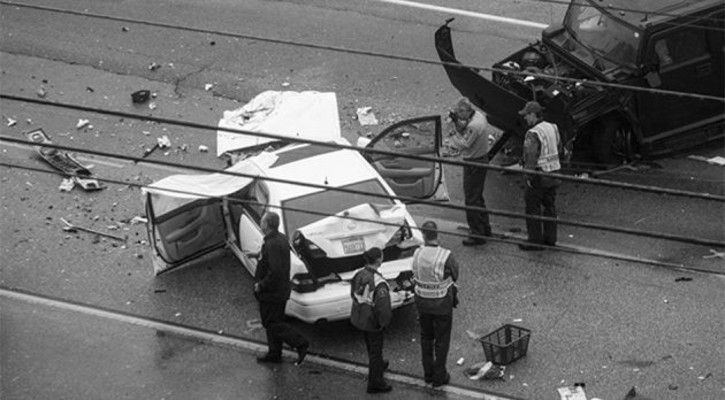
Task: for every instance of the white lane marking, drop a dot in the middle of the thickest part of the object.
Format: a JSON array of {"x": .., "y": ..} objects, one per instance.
[
  {"x": 232, "y": 342},
  {"x": 457, "y": 11}
]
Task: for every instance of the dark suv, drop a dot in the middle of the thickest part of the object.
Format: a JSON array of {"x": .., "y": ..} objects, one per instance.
[{"x": 579, "y": 69}]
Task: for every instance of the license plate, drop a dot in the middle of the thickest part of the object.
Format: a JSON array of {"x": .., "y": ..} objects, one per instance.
[{"x": 353, "y": 245}]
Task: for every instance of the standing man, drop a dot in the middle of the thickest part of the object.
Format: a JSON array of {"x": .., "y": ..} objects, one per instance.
[
  {"x": 471, "y": 139},
  {"x": 272, "y": 289},
  {"x": 541, "y": 153},
  {"x": 435, "y": 272},
  {"x": 371, "y": 313}
]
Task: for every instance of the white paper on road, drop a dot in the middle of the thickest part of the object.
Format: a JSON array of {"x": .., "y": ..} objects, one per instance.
[
  {"x": 572, "y": 393},
  {"x": 308, "y": 115}
]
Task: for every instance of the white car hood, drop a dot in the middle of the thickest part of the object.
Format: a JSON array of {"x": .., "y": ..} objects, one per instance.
[{"x": 376, "y": 230}]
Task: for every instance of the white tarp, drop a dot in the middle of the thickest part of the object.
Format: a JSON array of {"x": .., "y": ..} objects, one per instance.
[
  {"x": 309, "y": 115},
  {"x": 174, "y": 191}
]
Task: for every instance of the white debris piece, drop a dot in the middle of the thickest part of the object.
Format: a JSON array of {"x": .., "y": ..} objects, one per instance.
[
  {"x": 12, "y": 122},
  {"x": 152, "y": 105},
  {"x": 203, "y": 148},
  {"x": 67, "y": 185},
  {"x": 572, "y": 393},
  {"x": 138, "y": 220},
  {"x": 163, "y": 142},
  {"x": 208, "y": 86},
  {"x": 81, "y": 123},
  {"x": 366, "y": 117}
]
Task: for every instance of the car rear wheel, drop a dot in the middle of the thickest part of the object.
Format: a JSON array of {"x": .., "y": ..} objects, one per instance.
[{"x": 613, "y": 144}]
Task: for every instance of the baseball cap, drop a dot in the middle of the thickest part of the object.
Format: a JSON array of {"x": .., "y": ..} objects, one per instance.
[{"x": 531, "y": 107}]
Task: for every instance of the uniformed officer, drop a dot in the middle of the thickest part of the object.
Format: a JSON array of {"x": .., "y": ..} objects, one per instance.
[
  {"x": 541, "y": 153},
  {"x": 435, "y": 272},
  {"x": 371, "y": 313}
]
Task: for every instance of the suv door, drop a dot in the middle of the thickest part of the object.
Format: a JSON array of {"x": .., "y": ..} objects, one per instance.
[
  {"x": 420, "y": 179},
  {"x": 185, "y": 233}
]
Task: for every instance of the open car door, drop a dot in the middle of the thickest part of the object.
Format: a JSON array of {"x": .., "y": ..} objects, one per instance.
[
  {"x": 184, "y": 233},
  {"x": 408, "y": 177}
]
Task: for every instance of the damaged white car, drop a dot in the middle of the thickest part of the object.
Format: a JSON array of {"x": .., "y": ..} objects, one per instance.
[{"x": 193, "y": 215}]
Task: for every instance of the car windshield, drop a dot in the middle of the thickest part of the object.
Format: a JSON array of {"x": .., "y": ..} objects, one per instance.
[
  {"x": 608, "y": 37},
  {"x": 329, "y": 202}
]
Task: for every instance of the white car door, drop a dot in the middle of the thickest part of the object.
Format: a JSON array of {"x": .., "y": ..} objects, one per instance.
[{"x": 409, "y": 177}]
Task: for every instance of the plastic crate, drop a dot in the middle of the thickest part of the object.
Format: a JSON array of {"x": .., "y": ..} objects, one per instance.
[{"x": 506, "y": 344}]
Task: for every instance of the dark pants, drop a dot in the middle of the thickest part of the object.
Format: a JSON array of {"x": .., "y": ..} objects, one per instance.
[
  {"x": 540, "y": 200},
  {"x": 435, "y": 340},
  {"x": 278, "y": 331},
  {"x": 474, "y": 180},
  {"x": 376, "y": 367}
]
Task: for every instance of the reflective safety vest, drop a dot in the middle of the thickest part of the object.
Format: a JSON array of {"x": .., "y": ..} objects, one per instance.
[
  {"x": 548, "y": 135},
  {"x": 428, "y": 269}
]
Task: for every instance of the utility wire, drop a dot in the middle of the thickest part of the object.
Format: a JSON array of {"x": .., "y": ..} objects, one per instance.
[
  {"x": 502, "y": 239},
  {"x": 189, "y": 124},
  {"x": 368, "y": 53},
  {"x": 405, "y": 199}
]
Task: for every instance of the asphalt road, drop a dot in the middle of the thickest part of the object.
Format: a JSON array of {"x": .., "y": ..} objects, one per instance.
[{"x": 594, "y": 319}]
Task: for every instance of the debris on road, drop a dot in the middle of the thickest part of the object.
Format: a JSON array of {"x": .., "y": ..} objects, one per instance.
[
  {"x": 162, "y": 142},
  {"x": 366, "y": 116},
  {"x": 82, "y": 123},
  {"x": 11, "y": 122},
  {"x": 88, "y": 184},
  {"x": 56, "y": 158},
  {"x": 683, "y": 279},
  {"x": 203, "y": 149},
  {"x": 460, "y": 361},
  {"x": 140, "y": 96},
  {"x": 73, "y": 228},
  {"x": 138, "y": 220},
  {"x": 67, "y": 185},
  {"x": 208, "y": 86},
  {"x": 154, "y": 66},
  {"x": 718, "y": 160},
  {"x": 572, "y": 393},
  {"x": 485, "y": 371},
  {"x": 152, "y": 106},
  {"x": 41, "y": 93},
  {"x": 715, "y": 254}
]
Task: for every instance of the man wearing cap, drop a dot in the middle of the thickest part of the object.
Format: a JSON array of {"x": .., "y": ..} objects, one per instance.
[
  {"x": 435, "y": 272},
  {"x": 471, "y": 139},
  {"x": 371, "y": 312},
  {"x": 541, "y": 154}
]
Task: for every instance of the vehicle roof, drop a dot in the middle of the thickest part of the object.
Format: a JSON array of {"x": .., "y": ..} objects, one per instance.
[
  {"x": 336, "y": 168},
  {"x": 656, "y": 11}
]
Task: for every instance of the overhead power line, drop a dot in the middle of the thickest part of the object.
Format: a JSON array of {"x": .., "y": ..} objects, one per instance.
[
  {"x": 461, "y": 163},
  {"x": 366, "y": 52},
  {"x": 442, "y": 231},
  {"x": 396, "y": 197}
]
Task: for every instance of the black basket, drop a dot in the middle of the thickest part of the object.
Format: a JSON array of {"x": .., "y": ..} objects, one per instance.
[{"x": 506, "y": 344}]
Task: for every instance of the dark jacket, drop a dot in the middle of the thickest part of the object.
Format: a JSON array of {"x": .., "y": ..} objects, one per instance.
[
  {"x": 273, "y": 267},
  {"x": 371, "y": 307}
]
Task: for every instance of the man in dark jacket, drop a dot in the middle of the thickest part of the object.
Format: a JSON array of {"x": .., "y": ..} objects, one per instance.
[
  {"x": 435, "y": 272},
  {"x": 371, "y": 313},
  {"x": 272, "y": 289}
]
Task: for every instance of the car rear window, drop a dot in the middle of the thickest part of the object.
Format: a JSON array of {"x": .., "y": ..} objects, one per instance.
[
  {"x": 301, "y": 153},
  {"x": 330, "y": 202}
]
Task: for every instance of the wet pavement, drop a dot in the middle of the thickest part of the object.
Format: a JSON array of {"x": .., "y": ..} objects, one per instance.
[{"x": 59, "y": 350}]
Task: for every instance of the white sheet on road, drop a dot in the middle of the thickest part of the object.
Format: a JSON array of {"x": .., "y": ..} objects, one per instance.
[{"x": 309, "y": 115}]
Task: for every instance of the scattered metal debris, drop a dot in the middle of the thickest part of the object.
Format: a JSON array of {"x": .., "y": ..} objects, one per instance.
[{"x": 73, "y": 228}]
